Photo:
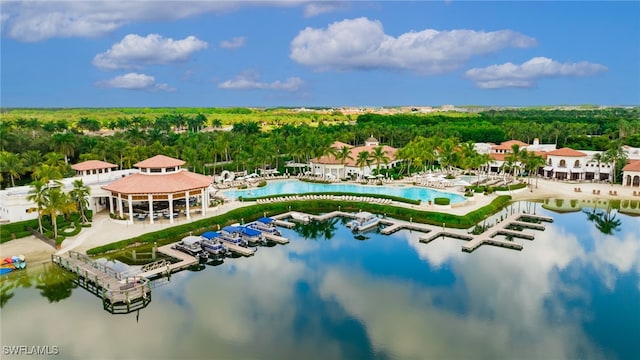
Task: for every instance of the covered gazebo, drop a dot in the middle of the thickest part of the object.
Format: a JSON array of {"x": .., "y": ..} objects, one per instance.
[{"x": 160, "y": 178}]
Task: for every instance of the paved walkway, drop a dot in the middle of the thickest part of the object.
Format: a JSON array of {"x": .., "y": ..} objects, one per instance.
[{"x": 105, "y": 230}]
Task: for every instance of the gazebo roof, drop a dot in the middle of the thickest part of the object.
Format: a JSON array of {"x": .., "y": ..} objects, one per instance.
[
  {"x": 159, "y": 183},
  {"x": 93, "y": 165},
  {"x": 159, "y": 162}
]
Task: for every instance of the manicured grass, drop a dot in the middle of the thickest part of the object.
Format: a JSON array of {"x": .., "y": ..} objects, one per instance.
[{"x": 248, "y": 214}]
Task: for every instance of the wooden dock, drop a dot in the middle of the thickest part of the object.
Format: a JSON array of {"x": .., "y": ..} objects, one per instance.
[
  {"x": 399, "y": 225},
  {"x": 283, "y": 223},
  {"x": 241, "y": 250},
  {"x": 164, "y": 267},
  {"x": 134, "y": 292},
  {"x": 275, "y": 238}
]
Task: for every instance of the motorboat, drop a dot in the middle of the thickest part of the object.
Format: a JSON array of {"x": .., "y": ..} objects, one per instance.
[
  {"x": 363, "y": 221},
  {"x": 233, "y": 235},
  {"x": 210, "y": 242},
  {"x": 266, "y": 225},
  {"x": 252, "y": 236},
  {"x": 190, "y": 245},
  {"x": 303, "y": 218}
]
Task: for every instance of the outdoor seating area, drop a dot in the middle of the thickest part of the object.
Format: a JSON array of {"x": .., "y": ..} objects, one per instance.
[{"x": 325, "y": 197}]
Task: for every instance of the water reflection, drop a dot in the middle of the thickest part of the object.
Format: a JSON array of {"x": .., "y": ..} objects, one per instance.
[
  {"x": 569, "y": 293},
  {"x": 605, "y": 221}
]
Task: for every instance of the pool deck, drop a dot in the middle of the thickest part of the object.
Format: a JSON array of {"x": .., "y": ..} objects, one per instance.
[{"x": 105, "y": 231}]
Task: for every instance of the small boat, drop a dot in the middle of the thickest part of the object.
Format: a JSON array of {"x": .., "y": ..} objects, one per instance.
[
  {"x": 189, "y": 245},
  {"x": 266, "y": 225},
  {"x": 363, "y": 221},
  {"x": 233, "y": 235},
  {"x": 210, "y": 243},
  {"x": 252, "y": 236},
  {"x": 300, "y": 217},
  {"x": 13, "y": 263}
]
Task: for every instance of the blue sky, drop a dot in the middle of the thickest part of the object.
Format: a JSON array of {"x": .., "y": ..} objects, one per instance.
[{"x": 318, "y": 53}]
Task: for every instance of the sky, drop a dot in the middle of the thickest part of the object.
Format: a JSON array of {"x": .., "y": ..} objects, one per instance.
[{"x": 318, "y": 53}]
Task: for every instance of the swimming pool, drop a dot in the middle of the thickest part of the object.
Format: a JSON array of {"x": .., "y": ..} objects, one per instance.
[{"x": 300, "y": 187}]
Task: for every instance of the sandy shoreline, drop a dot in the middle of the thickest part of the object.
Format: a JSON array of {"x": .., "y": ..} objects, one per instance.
[{"x": 104, "y": 230}]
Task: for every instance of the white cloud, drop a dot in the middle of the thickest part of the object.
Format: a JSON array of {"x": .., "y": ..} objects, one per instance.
[
  {"x": 250, "y": 80},
  {"x": 134, "y": 51},
  {"x": 322, "y": 7},
  {"x": 361, "y": 44},
  {"x": 234, "y": 43},
  {"x": 134, "y": 81},
  {"x": 41, "y": 20},
  {"x": 526, "y": 74}
]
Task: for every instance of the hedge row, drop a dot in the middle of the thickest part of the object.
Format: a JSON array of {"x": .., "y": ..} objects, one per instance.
[
  {"x": 441, "y": 201},
  {"x": 491, "y": 189},
  {"x": 252, "y": 213},
  {"x": 17, "y": 229},
  {"x": 377, "y": 196}
]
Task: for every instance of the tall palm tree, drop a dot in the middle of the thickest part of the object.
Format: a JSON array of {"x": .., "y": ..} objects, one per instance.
[
  {"x": 46, "y": 173},
  {"x": 379, "y": 155},
  {"x": 598, "y": 158},
  {"x": 447, "y": 154},
  {"x": 31, "y": 159},
  {"x": 363, "y": 159},
  {"x": 57, "y": 203},
  {"x": 615, "y": 155},
  {"x": 38, "y": 195},
  {"x": 80, "y": 196},
  {"x": 343, "y": 154},
  {"x": 64, "y": 143},
  {"x": 11, "y": 164},
  {"x": 533, "y": 164}
]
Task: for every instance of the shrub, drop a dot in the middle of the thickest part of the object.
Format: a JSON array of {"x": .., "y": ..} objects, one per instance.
[
  {"x": 442, "y": 201},
  {"x": 17, "y": 229},
  {"x": 262, "y": 183}
]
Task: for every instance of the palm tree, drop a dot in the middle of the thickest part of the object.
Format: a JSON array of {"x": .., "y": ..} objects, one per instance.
[
  {"x": 31, "y": 159},
  {"x": 447, "y": 154},
  {"x": 64, "y": 143},
  {"x": 11, "y": 164},
  {"x": 615, "y": 155},
  {"x": 532, "y": 164},
  {"x": 363, "y": 159},
  {"x": 57, "y": 203},
  {"x": 80, "y": 194},
  {"x": 38, "y": 195},
  {"x": 379, "y": 155},
  {"x": 343, "y": 154},
  {"x": 46, "y": 173},
  {"x": 598, "y": 158}
]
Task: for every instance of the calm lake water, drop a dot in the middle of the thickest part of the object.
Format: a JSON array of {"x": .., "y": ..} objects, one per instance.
[{"x": 571, "y": 293}]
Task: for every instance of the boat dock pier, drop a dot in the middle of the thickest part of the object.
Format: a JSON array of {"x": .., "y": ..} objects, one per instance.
[
  {"x": 488, "y": 237},
  {"x": 275, "y": 238},
  {"x": 241, "y": 250},
  {"x": 120, "y": 294},
  {"x": 165, "y": 267}
]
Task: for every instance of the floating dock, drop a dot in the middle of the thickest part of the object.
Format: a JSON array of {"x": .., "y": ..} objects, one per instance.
[
  {"x": 275, "y": 238},
  {"x": 241, "y": 250}
]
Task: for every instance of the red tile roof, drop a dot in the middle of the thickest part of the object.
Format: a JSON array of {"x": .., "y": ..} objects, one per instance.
[
  {"x": 633, "y": 165},
  {"x": 566, "y": 152},
  {"x": 498, "y": 157},
  {"x": 93, "y": 165},
  {"x": 339, "y": 144},
  {"x": 507, "y": 145},
  {"x": 159, "y": 162},
  {"x": 139, "y": 183}
]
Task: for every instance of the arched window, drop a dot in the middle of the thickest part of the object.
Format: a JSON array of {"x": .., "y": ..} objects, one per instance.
[
  {"x": 576, "y": 164},
  {"x": 549, "y": 163},
  {"x": 563, "y": 163}
]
